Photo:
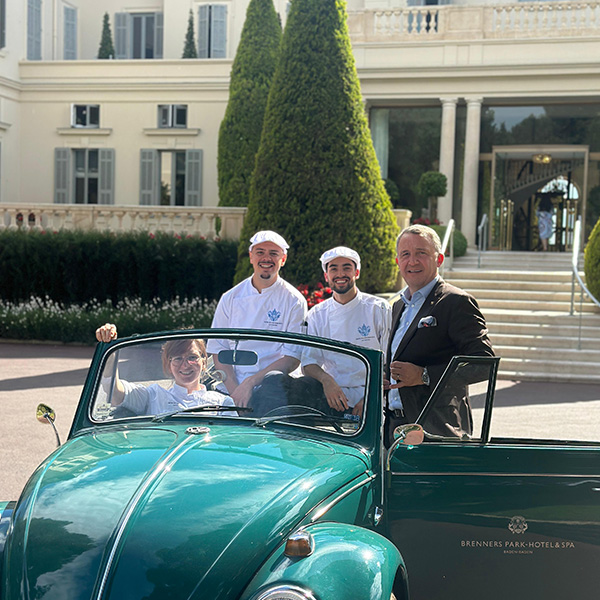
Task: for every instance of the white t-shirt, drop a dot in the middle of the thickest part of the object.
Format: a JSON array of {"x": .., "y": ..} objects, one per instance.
[
  {"x": 365, "y": 321},
  {"x": 154, "y": 399},
  {"x": 280, "y": 307}
]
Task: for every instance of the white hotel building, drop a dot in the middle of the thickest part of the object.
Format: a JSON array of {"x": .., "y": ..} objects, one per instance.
[{"x": 500, "y": 97}]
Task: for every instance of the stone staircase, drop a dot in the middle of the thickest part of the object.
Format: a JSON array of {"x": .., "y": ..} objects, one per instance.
[{"x": 526, "y": 299}]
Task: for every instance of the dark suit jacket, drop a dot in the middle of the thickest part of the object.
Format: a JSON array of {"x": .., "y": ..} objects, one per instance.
[{"x": 460, "y": 330}]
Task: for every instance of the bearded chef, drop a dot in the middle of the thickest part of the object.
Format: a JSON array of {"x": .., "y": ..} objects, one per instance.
[{"x": 263, "y": 301}]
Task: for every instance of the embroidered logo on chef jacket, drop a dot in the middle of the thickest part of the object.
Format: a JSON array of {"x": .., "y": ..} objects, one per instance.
[
  {"x": 273, "y": 315},
  {"x": 364, "y": 330}
]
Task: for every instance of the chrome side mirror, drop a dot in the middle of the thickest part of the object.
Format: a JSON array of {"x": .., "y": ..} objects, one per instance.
[
  {"x": 405, "y": 435},
  {"x": 45, "y": 414}
]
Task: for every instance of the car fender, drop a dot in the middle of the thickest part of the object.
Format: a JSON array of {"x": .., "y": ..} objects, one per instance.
[{"x": 347, "y": 561}]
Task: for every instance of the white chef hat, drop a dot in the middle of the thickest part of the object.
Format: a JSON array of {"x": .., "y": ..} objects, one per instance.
[
  {"x": 339, "y": 251},
  {"x": 268, "y": 236}
]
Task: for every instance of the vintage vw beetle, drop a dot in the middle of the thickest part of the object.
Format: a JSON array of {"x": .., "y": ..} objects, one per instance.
[{"x": 290, "y": 502}]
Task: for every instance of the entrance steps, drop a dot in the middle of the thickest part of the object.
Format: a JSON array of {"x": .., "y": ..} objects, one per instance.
[{"x": 526, "y": 300}]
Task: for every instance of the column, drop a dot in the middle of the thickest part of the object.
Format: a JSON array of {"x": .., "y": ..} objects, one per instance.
[
  {"x": 447, "y": 139},
  {"x": 471, "y": 170},
  {"x": 380, "y": 133}
]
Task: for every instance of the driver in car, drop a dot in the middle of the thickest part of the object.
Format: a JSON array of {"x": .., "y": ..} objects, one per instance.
[{"x": 184, "y": 361}]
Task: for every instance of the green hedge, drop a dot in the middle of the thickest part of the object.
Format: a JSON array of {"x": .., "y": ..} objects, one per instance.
[
  {"x": 591, "y": 265},
  {"x": 460, "y": 241},
  {"x": 75, "y": 267}
]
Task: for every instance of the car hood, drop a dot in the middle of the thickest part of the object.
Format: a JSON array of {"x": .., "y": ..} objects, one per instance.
[{"x": 164, "y": 513}]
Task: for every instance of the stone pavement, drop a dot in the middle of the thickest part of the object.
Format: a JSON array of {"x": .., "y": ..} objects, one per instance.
[{"x": 54, "y": 374}]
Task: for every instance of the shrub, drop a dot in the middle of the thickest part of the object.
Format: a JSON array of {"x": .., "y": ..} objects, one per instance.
[
  {"x": 591, "y": 265},
  {"x": 44, "y": 319},
  {"x": 107, "y": 48},
  {"x": 189, "y": 46},
  {"x": 251, "y": 75},
  {"x": 74, "y": 267},
  {"x": 317, "y": 180},
  {"x": 460, "y": 241}
]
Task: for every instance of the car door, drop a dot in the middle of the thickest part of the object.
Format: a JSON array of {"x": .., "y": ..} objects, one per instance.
[{"x": 496, "y": 517}]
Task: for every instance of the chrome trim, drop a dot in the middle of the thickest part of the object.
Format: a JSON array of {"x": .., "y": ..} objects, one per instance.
[
  {"x": 266, "y": 594},
  {"x": 482, "y": 474},
  {"x": 321, "y": 511}
]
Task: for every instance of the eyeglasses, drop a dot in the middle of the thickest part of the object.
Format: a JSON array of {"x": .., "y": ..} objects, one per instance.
[{"x": 192, "y": 359}]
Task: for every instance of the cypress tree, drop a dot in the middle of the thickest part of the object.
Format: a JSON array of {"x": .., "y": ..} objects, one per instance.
[
  {"x": 189, "y": 48},
  {"x": 317, "y": 180},
  {"x": 107, "y": 48},
  {"x": 251, "y": 75}
]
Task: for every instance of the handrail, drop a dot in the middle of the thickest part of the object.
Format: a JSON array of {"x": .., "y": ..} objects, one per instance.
[
  {"x": 482, "y": 238},
  {"x": 448, "y": 239},
  {"x": 577, "y": 277}
]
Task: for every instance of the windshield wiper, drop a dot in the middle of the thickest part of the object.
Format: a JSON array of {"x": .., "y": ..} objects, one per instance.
[
  {"x": 204, "y": 408},
  {"x": 335, "y": 421}
]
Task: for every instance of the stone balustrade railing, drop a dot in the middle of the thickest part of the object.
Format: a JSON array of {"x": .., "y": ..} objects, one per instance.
[
  {"x": 459, "y": 22},
  {"x": 225, "y": 222}
]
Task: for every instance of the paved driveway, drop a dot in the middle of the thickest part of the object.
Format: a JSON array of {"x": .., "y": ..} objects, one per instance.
[{"x": 54, "y": 374}]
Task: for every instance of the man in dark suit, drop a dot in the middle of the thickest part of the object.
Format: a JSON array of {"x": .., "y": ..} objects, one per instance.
[{"x": 431, "y": 322}]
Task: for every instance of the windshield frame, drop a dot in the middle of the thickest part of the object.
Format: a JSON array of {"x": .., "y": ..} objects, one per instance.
[{"x": 372, "y": 361}]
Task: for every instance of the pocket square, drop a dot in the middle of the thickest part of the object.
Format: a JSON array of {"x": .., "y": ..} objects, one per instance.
[{"x": 427, "y": 322}]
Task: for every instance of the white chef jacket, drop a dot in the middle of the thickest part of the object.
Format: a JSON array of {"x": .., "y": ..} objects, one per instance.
[
  {"x": 155, "y": 399},
  {"x": 365, "y": 321},
  {"x": 280, "y": 307}
]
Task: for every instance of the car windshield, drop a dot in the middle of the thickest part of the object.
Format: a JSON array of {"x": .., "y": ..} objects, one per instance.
[{"x": 181, "y": 376}]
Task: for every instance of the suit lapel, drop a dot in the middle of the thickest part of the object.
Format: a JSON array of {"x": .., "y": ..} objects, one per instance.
[{"x": 431, "y": 300}]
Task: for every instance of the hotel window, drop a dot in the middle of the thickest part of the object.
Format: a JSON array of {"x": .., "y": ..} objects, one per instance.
[
  {"x": 212, "y": 31},
  {"x": 138, "y": 35},
  {"x": 34, "y": 29},
  {"x": 171, "y": 177},
  {"x": 2, "y": 23},
  {"x": 84, "y": 175},
  {"x": 172, "y": 115},
  {"x": 70, "y": 33},
  {"x": 85, "y": 115}
]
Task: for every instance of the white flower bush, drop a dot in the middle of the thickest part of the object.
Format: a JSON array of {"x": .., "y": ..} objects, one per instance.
[{"x": 44, "y": 319}]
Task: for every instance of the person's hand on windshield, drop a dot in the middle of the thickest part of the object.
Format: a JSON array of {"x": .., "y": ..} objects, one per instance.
[
  {"x": 358, "y": 409},
  {"x": 106, "y": 333}
]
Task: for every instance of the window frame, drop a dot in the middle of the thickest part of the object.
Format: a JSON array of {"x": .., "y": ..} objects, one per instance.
[
  {"x": 89, "y": 108},
  {"x": 169, "y": 114}
]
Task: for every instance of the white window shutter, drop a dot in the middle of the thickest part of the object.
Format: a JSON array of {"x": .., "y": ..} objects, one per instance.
[
  {"x": 70, "y": 34},
  {"x": 218, "y": 31},
  {"x": 106, "y": 176},
  {"x": 62, "y": 175},
  {"x": 193, "y": 177},
  {"x": 122, "y": 35},
  {"x": 34, "y": 29},
  {"x": 149, "y": 173},
  {"x": 203, "y": 29},
  {"x": 158, "y": 34}
]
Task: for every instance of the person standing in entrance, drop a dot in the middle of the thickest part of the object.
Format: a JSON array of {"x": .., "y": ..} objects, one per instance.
[
  {"x": 262, "y": 301},
  {"x": 432, "y": 322}
]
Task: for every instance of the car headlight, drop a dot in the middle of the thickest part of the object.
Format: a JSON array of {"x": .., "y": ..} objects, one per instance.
[{"x": 286, "y": 592}]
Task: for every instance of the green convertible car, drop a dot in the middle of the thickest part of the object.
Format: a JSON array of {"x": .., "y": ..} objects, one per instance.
[{"x": 166, "y": 489}]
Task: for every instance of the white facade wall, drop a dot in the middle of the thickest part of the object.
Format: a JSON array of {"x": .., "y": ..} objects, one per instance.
[{"x": 468, "y": 57}]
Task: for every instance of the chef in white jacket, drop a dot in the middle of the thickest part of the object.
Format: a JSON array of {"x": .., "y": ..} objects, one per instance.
[
  {"x": 263, "y": 301},
  {"x": 348, "y": 316}
]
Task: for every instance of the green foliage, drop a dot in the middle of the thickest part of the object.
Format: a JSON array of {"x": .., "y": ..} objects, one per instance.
[
  {"x": 460, "y": 241},
  {"x": 189, "y": 47},
  {"x": 107, "y": 48},
  {"x": 77, "y": 266},
  {"x": 591, "y": 265},
  {"x": 39, "y": 319},
  {"x": 432, "y": 184},
  {"x": 317, "y": 179},
  {"x": 393, "y": 192},
  {"x": 251, "y": 75}
]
